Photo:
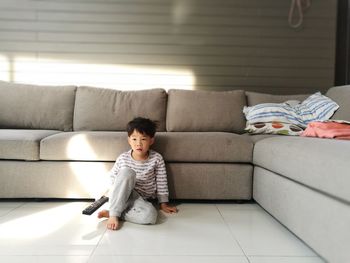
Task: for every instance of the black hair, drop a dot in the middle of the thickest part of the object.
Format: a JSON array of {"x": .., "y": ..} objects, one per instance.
[{"x": 142, "y": 125}]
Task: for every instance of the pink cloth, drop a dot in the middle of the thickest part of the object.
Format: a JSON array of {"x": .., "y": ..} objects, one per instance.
[{"x": 327, "y": 130}]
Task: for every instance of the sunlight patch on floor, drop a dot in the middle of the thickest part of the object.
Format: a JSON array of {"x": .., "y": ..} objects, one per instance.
[{"x": 38, "y": 224}]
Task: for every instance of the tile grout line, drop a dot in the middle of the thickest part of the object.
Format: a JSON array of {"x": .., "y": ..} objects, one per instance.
[
  {"x": 98, "y": 243},
  {"x": 284, "y": 227},
  {"x": 12, "y": 209},
  {"x": 234, "y": 237},
  {"x": 276, "y": 220}
]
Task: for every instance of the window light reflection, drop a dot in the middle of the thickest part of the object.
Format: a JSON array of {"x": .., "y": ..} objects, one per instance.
[
  {"x": 123, "y": 77},
  {"x": 92, "y": 176}
]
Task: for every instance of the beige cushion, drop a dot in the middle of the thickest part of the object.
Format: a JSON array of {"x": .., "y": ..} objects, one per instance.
[
  {"x": 204, "y": 147},
  {"x": 174, "y": 146},
  {"x": 84, "y": 146},
  {"x": 98, "y": 109},
  {"x": 341, "y": 95},
  {"x": 21, "y": 144},
  {"x": 36, "y": 107},
  {"x": 321, "y": 164},
  {"x": 254, "y": 98},
  {"x": 258, "y": 137},
  {"x": 195, "y": 110}
]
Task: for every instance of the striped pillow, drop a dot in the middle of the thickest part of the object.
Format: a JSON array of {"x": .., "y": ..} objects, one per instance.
[{"x": 315, "y": 108}]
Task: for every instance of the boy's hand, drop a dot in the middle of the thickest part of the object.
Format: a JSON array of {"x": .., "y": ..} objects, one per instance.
[{"x": 167, "y": 208}]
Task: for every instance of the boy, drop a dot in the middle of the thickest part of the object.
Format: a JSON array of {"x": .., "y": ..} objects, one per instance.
[{"x": 138, "y": 176}]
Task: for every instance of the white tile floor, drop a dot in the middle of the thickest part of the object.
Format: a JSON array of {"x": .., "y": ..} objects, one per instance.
[{"x": 199, "y": 233}]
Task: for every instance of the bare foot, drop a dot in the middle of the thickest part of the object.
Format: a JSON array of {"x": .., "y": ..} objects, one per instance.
[
  {"x": 113, "y": 223},
  {"x": 103, "y": 213}
]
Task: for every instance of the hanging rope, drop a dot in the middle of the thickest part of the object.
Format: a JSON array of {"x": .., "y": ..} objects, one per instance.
[{"x": 297, "y": 7}]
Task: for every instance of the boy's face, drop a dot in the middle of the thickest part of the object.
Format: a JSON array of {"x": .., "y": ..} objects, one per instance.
[{"x": 140, "y": 144}]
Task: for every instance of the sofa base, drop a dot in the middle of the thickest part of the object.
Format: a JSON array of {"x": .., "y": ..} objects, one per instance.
[
  {"x": 210, "y": 181},
  {"x": 58, "y": 179},
  {"x": 321, "y": 221},
  {"x": 44, "y": 179}
]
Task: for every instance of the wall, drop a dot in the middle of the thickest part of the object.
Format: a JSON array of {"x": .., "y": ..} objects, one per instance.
[
  {"x": 189, "y": 44},
  {"x": 342, "y": 65}
]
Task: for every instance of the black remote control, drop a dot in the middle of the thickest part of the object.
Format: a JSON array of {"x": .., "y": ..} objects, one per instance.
[{"x": 95, "y": 205}]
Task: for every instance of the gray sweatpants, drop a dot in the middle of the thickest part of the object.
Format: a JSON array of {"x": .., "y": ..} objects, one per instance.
[{"x": 126, "y": 203}]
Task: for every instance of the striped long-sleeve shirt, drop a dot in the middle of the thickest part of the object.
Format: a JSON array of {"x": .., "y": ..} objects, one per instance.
[{"x": 151, "y": 178}]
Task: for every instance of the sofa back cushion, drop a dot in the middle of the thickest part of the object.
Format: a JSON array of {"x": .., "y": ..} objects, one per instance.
[
  {"x": 341, "y": 95},
  {"x": 205, "y": 111},
  {"x": 254, "y": 98},
  {"x": 36, "y": 107},
  {"x": 98, "y": 109}
]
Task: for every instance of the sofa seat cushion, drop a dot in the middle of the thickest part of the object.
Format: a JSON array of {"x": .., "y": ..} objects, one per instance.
[
  {"x": 321, "y": 164},
  {"x": 84, "y": 146},
  {"x": 174, "y": 146},
  {"x": 258, "y": 137},
  {"x": 22, "y": 144}
]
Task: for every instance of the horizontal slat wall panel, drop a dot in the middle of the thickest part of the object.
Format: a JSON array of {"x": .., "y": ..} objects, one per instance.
[
  {"x": 153, "y": 20},
  {"x": 191, "y": 44}
]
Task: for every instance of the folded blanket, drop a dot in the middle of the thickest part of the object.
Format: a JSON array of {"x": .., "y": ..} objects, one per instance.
[
  {"x": 316, "y": 107},
  {"x": 329, "y": 129}
]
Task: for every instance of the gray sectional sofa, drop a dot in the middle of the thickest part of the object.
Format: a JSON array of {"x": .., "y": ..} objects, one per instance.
[{"x": 60, "y": 142}]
